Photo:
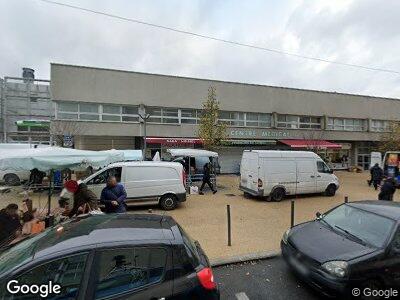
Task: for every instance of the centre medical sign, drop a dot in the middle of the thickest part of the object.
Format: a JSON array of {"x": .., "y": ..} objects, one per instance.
[{"x": 261, "y": 134}]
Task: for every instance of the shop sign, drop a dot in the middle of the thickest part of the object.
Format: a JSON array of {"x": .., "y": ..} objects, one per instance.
[
  {"x": 249, "y": 142},
  {"x": 259, "y": 133}
]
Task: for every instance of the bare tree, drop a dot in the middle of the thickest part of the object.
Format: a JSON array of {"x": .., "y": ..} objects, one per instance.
[{"x": 59, "y": 129}]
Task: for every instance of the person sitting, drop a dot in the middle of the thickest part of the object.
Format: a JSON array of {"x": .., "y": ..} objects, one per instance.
[
  {"x": 84, "y": 199},
  {"x": 113, "y": 196},
  {"x": 10, "y": 225}
]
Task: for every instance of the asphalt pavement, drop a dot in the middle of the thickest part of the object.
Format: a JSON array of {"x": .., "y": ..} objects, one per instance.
[{"x": 263, "y": 279}]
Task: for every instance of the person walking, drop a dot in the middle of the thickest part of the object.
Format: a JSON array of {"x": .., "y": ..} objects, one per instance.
[
  {"x": 84, "y": 199},
  {"x": 10, "y": 225},
  {"x": 376, "y": 175},
  {"x": 387, "y": 190},
  {"x": 207, "y": 179},
  {"x": 113, "y": 196}
]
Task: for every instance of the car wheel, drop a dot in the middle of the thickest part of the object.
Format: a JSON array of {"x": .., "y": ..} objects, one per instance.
[
  {"x": 278, "y": 194},
  {"x": 168, "y": 202},
  {"x": 330, "y": 190},
  {"x": 12, "y": 179}
]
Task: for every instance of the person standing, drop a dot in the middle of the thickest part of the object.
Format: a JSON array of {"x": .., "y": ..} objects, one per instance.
[
  {"x": 207, "y": 179},
  {"x": 387, "y": 190},
  {"x": 84, "y": 199},
  {"x": 376, "y": 175},
  {"x": 10, "y": 224},
  {"x": 113, "y": 196}
]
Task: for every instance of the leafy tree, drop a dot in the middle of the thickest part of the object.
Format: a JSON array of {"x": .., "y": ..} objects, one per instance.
[
  {"x": 390, "y": 141},
  {"x": 211, "y": 131}
]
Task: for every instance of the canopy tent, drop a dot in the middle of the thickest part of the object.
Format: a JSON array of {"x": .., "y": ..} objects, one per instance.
[
  {"x": 129, "y": 155},
  {"x": 55, "y": 158},
  {"x": 192, "y": 153},
  {"x": 311, "y": 144}
]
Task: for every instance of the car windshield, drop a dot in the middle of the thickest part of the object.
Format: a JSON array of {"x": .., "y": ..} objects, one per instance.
[{"x": 361, "y": 225}]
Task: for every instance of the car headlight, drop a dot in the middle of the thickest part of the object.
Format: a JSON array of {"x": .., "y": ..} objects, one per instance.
[
  {"x": 285, "y": 236},
  {"x": 336, "y": 267}
]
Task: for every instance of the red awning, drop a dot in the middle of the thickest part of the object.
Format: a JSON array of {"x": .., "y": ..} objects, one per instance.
[
  {"x": 173, "y": 141},
  {"x": 311, "y": 144}
]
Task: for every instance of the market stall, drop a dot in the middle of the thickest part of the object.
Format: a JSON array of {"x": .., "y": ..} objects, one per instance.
[{"x": 193, "y": 161}]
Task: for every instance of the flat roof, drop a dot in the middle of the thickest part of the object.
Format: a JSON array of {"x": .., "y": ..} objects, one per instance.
[{"x": 228, "y": 82}]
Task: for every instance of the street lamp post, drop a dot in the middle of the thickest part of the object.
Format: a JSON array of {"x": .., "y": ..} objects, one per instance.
[{"x": 144, "y": 119}]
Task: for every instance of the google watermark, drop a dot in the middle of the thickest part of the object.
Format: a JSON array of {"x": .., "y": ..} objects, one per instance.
[
  {"x": 368, "y": 292},
  {"x": 43, "y": 290}
]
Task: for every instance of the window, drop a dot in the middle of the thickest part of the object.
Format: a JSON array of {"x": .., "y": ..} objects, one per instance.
[
  {"x": 66, "y": 272},
  {"x": 380, "y": 126},
  {"x": 322, "y": 167},
  {"x": 299, "y": 122},
  {"x": 103, "y": 176},
  {"x": 346, "y": 124},
  {"x": 67, "y": 110},
  {"x": 258, "y": 120},
  {"x": 111, "y": 113},
  {"x": 130, "y": 114},
  {"x": 190, "y": 116},
  {"x": 232, "y": 118},
  {"x": 124, "y": 270},
  {"x": 163, "y": 115}
]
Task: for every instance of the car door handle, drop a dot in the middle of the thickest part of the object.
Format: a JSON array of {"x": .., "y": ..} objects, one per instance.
[
  {"x": 319, "y": 176},
  {"x": 312, "y": 176}
]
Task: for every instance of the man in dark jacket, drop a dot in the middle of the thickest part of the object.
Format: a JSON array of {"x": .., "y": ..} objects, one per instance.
[
  {"x": 113, "y": 196},
  {"x": 207, "y": 179},
  {"x": 84, "y": 199},
  {"x": 9, "y": 224},
  {"x": 376, "y": 175},
  {"x": 387, "y": 190}
]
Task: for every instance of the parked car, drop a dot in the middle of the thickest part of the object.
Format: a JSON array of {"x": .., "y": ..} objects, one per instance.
[
  {"x": 146, "y": 182},
  {"x": 116, "y": 256},
  {"x": 275, "y": 174},
  {"x": 13, "y": 178},
  {"x": 354, "y": 245}
]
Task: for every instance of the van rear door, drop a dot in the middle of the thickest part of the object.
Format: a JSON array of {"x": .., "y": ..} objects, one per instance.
[{"x": 249, "y": 170}]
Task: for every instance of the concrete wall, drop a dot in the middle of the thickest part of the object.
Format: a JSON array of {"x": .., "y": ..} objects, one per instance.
[{"x": 77, "y": 83}]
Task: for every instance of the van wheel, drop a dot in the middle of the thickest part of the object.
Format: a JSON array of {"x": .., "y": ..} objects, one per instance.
[
  {"x": 168, "y": 202},
  {"x": 247, "y": 195},
  {"x": 330, "y": 190},
  {"x": 278, "y": 194},
  {"x": 12, "y": 179}
]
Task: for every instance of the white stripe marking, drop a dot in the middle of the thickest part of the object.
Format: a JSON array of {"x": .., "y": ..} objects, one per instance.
[{"x": 242, "y": 296}]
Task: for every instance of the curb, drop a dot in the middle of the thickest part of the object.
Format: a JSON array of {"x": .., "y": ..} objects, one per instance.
[{"x": 243, "y": 258}]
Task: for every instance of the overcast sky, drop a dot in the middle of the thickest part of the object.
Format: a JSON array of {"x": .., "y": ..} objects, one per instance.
[{"x": 366, "y": 32}]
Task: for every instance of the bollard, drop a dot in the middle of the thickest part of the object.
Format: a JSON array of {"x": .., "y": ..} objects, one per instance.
[
  {"x": 292, "y": 214},
  {"x": 346, "y": 199},
  {"x": 228, "y": 212}
]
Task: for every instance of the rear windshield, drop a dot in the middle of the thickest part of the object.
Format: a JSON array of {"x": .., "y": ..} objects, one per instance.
[{"x": 191, "y": 248}]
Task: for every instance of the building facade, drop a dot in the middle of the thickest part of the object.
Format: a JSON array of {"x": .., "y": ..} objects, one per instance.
[
  {"x": 26, "y": 109},
  {"x": 105, "y": 106}
]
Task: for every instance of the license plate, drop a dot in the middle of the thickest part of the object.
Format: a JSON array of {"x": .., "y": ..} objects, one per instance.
[{"x": 298, "y": 266}]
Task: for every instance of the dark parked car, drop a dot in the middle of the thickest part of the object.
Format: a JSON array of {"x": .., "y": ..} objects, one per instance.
[
  {"x": 118, "y": 256},
  {"x": 354, "y": 245}
]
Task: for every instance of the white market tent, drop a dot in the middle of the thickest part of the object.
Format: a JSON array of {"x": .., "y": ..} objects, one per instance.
[
  {"x": 55, "y": 158},
  {"x": 192, "y": 153},
  {"x": 129, "y": 155}
]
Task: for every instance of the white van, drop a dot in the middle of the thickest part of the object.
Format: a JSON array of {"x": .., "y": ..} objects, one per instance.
[
  {"x": 279, "y": 173},
  {"x": 145, "y": 182}
]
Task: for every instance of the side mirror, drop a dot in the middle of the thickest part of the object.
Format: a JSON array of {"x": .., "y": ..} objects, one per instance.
[
  {"x": 319, "y": 215},
  {"x": 330, "y": 171}
]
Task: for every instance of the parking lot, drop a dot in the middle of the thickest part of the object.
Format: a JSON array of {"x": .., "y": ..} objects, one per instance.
[{"x": 257, "y": 225}]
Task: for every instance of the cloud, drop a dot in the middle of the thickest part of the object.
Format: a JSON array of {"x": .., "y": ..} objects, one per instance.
[{"x": 360, "y": 32}]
